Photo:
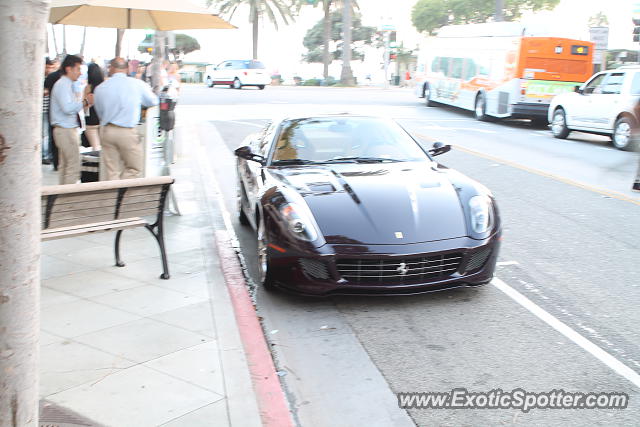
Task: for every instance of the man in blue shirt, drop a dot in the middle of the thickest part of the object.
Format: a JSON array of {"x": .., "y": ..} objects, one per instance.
[
  {"x": 118, "y": 102},
  {"x": 65, "y": 104}
]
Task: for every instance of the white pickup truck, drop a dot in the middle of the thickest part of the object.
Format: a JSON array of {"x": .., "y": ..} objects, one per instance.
[{"x": 604, "y": 105}]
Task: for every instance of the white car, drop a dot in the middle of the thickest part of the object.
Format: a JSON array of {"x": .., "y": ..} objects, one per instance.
[
  {"x": 604, "y": 105},
  {"x": 239, "y": 73}
]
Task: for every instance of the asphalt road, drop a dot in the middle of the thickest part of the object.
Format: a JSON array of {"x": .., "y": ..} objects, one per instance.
[{"x": 571, "y": 248}]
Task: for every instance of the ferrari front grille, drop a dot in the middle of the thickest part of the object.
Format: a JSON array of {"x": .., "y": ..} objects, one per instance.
[
  {"x": 314, "y": 269},
  {"x": 399, "y": 270},
  {"x": 478, "y": 259}
]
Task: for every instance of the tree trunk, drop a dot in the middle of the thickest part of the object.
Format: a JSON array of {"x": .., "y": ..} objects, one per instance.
[
  {"x": 119, "y": 36},
  {"x": 158, "y": 57},
  {"x": 326, "y": 37},
  {"x": 84, "y": 39},
  {"x": 64, "y": 39},
  {"x": 346, "y": 77},
  {"x": 22, "y": 26},
  {"x": 499, "y": 15},
  {"x": 255, "y": 20},
  {"x": 55, "y": 42}
]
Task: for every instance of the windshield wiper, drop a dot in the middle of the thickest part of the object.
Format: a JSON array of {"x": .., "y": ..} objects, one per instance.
[
  {"x": 286, "y": 162},
  {"x": 359, "y": 159}
]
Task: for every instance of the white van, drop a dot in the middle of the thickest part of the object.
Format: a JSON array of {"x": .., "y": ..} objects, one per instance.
[{"x": 238, "y": 73}]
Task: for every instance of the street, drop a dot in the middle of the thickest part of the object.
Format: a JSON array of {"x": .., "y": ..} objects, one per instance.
[{"x": 571, "y": 232}]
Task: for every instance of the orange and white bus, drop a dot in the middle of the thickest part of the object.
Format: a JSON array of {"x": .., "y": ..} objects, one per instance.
[{"x": 497, "y": 70}]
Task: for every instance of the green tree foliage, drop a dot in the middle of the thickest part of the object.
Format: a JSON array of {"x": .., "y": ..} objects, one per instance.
[
  {"x": 184, "y": 44},
  {"x": 360, "y": 35},
  {"x": 429, "y": 15},
  {"x": 599, "y": 20}
]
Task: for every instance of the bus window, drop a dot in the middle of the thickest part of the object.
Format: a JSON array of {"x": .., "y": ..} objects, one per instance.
[
  {"x": 635, "y": 84},
  {"x": 613, "y": 84},
  {"x": 593, "y": 85},
  {"x": 456, "y": 71},
  {"x": 435, "y": 65},
  {"x": 470, "y": 69}
]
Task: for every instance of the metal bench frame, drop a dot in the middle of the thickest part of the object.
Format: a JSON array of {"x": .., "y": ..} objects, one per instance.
[{"x": 83, "y": 224}]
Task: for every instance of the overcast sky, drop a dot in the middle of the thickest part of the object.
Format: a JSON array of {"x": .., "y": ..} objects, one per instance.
[{"x": 282, "y": 49}]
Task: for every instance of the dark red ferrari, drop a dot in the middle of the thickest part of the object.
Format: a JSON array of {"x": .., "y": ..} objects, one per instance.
[{"x": 348, "y": 204}]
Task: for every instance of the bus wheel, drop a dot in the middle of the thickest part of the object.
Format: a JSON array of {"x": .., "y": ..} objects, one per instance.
[
  {"x": 427, "y": 97},
  {"x": 480, "y": 110},
  {"x": 559, "y": 127}
]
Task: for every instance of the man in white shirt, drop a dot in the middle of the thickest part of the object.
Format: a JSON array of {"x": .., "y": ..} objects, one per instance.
[
  {"x": 64, "y": 108},
  {"x": 118, "y": 102}
]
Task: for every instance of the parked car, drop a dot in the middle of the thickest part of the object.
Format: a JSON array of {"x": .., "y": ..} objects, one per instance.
[
  {"x": 348, "y": 204},
  {"x": 239, "y": 73},
  {"x": 603, "y": 105}
]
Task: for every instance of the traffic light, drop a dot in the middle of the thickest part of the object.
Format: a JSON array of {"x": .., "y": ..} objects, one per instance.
[{"x": 636, "y": 29}]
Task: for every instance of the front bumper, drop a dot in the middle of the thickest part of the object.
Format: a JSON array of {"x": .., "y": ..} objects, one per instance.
[{"x": 322, "y": 272}]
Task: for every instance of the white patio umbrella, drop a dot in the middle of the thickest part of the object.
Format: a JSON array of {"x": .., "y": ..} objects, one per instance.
[{"x": 162, "y": 15}]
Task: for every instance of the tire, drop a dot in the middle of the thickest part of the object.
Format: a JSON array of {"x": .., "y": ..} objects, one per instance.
[
  {"x": 261, "y": 87},
  {"x": 622, "y": 135},
  {"x": 236, "y": 84},
  {"x": 264, "y": 275},
  {"x": 559, "y": 127},
  {"x": 480, "y": 108},
  {"x": 242, "y": 217},
  {"x": 427, "y": 97}
]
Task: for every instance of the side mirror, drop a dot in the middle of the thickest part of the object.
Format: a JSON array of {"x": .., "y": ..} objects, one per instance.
[
  {"x": 578, "y": 89},
  {"x": 246, "y": 153},
  {"x": 439, "y": 148}
]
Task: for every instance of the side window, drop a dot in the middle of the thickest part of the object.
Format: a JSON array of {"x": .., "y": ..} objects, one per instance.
[
  {"x": 228, "y": 64},
  {"x": 456, "y": 71},
  {"x": 594, "y": 85},
  {"x": 613, "y": 84},
  {"x": 635, "y": 84}
]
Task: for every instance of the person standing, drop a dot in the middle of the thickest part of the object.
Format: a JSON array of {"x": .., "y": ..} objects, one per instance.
[
  {"x": 118, "y": 102},
  {"x": 65, "y": 106},
  {"x": 94, "y": 78},
  {"x": 52, "y": 77}
]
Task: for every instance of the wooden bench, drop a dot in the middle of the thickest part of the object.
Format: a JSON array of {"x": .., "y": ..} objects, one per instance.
[{"x": 77, "y": 209}]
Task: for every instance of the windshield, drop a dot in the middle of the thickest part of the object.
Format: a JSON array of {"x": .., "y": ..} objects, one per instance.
[{"x": 344, "y": 139}]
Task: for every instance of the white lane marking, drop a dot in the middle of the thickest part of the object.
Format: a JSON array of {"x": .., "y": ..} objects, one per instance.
[
  {"x": 613, "y": 363},
  {"x": 503, "y": 263},
  {"x": 246, "y": 123}
]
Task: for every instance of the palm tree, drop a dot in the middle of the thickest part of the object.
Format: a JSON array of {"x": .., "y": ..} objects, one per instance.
[
  {"x": 326, "y": 7},
  {"x": 258, "y": 9}
]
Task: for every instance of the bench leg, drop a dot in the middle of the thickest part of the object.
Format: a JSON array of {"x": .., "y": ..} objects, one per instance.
[
  {"x": 159, "y": 235},
  {"x": 119, "y": 262}
]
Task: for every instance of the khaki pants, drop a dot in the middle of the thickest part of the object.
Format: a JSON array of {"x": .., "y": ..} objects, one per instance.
[
  {"x": 68, "y": 143},
  {"x": 91, "y": 132},
  {"x": 122, "y": 154}
]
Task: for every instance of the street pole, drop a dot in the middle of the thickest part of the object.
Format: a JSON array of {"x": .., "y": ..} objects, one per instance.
[
  {"x": 346, "y": 77},
  {"x": 387, "y": 37},
  {"x": 159, "y": 46},
  {"x": 22, "y": 29}
]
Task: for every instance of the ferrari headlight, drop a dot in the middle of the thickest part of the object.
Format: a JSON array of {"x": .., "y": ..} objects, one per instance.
[
  {"x": 481, "y": 213},
  {"x": 298, "y": 222}
]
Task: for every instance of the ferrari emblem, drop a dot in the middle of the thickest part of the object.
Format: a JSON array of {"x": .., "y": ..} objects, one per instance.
[
  {"x": 399, "y": 235},
  {"x": 402, "y": 269}
]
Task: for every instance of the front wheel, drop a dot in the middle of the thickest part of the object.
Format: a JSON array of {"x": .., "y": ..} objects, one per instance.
[
  {"x": 264, "y": 274},
  {"x": 237, "y": 84},
  {"x": 480, "y": 108},
  {"x": 242, "y": 217},
  {"x": 261, "y": 87},
  {"x": 559, "y": 127},
  {"x": 622, "y": 138}
]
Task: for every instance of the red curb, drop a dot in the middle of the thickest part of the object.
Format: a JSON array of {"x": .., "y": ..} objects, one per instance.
[{"x": 272, "y": 403}]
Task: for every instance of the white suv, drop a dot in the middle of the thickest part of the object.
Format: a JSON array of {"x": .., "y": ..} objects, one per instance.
[
  {"x": 604, "y": 105},
  {"x": 238, "y": 73}
]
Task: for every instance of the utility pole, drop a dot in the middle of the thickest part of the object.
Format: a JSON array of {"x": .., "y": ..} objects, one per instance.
[
  {"x": 387, "y": 53},
  {"x": 159, "y": 48},
  {"x": 346, "y": 77},
  {"x": 22, "y": 29}
]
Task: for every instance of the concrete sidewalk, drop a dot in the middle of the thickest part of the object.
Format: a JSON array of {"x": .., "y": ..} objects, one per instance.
[{"x": 122, "y": 347}]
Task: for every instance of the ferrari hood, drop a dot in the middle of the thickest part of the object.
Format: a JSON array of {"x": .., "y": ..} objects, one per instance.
[{"x": 390, "y": 203}]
